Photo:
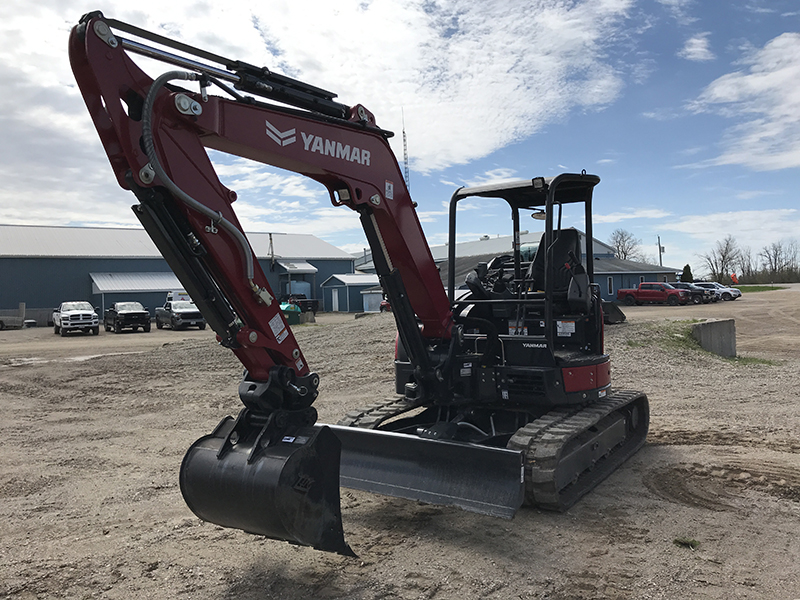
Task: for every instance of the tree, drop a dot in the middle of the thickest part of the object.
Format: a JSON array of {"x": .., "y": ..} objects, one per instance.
[
  {"x": 687, "y": 276},
  {"x": 746, "y": 265},
  {"x": 779, "y": 260},
  {"x": 721, "y": 260},
  {"x": 625, "y": 245}
]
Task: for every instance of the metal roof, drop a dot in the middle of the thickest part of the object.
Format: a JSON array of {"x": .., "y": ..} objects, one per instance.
[
  {"x": 29, "y": 241},
  {"x": 294, "y": 245},
  {"x": 501, "y": 244},
  {"x": 611, "y": 266},
  {"x": 298, "y": 267},
  {"x": 355, "y": 279},
  {"x": 96, "y": 242},
  {"x": 106, "y": 283}
]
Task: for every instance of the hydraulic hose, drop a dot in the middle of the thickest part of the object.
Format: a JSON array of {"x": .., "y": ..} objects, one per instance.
[{"x": 150, "y": 150}]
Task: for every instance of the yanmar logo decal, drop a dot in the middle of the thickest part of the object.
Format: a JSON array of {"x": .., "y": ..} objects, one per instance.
[
  {"x": 320, "y": 145},
  {"x": 282, "y": 138}
]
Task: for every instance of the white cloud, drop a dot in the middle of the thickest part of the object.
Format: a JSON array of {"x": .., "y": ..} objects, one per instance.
[
  {"x": 250, "y": 179},
  {"x": 324, "y": 222},
  {"x": 494, "y": 176},
  {"x": 766, "y": 104},
  {"x": 751, "y": 194},
  {"x": 661, "y": 114},
  {"x": 697, "y": 48},
  {"x": 750, "y": 228},
  {"x": 638, "y": 213},
  {"x": 470, "y": 77},
  {"x": 679, "y": 9}
]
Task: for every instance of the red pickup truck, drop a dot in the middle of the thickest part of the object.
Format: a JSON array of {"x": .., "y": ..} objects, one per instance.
[{"x": 653, "y": 292}]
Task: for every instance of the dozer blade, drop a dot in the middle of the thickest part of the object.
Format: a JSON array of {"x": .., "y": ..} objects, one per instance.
[
  {"x": 476, "y": 478},
  {"x": 287, "y": 491}
]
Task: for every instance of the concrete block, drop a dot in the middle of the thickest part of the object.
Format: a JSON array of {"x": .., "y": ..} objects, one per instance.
[{"x": 717, "y": 336}]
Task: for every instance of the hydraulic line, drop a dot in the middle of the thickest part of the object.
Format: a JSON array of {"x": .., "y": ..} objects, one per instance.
[{"x": 150, "y": 150}]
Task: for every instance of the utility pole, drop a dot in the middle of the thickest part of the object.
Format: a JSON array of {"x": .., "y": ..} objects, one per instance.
[{"x": 660, "y": 252}]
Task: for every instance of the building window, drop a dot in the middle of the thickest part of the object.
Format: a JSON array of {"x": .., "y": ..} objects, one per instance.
[
  {"x": 610, "y": 286},
  {"x": 665, "y": 279},
  {"x": 641, "y": 278}
]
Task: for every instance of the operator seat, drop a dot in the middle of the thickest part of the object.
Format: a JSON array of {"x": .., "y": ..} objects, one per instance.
[{"x": 571, "y": 282}]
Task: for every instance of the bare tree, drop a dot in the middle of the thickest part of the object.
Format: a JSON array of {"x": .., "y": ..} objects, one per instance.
[
  {"x": 625, "y": 245},
  {"x": 745, "y": 264},
  {"x": 793, "y": 252},
  {"x": 721, "y": 260},
  {"x": 779, "y": 260}
]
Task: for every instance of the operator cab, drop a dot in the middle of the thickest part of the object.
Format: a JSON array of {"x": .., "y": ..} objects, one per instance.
[{"x": 549, "y": 296}]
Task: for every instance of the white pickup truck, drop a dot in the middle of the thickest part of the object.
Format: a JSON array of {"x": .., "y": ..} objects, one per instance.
[{"x": 75, "y": 316}]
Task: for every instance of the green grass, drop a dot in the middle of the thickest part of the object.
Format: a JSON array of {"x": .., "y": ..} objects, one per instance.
[
  {"x": 685, "y": 542},
  {"x": 678, "y": 335},
  {"x": 746, "y": 360},
  {"x": 637, "y": 344},
  {"x": 758, "y": 288}
]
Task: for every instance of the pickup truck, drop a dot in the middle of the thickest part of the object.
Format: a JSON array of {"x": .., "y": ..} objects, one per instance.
[
  {"x": 126, "y": 315},
  {"x": 179, "y": 314},
  {"x": 653, "y": 292},
  {"x": 305, "y": 304},
  {"x": 75, "y": 316}
]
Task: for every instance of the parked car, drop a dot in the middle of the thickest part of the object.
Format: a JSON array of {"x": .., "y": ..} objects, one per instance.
[
  {"x": 653, "y": 292},
  {"x": 699, "y": 295},
  {"x": 724, "y": 292},
  {"x": 179, "y": 314},
  {"x": 126, "y": 315},
  {"x": 76, "y": 316}
]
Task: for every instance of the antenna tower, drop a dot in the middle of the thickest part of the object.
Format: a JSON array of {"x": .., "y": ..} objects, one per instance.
[{"x": 405, "y": 152}]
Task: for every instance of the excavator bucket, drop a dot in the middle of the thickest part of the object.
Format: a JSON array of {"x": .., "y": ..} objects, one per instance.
[
  {"x": 287, "y": 490},
  {"x": 476, "y": 478}
]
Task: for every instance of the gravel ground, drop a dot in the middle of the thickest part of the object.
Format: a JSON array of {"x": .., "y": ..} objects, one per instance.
[{"x": 94, "y": 429}]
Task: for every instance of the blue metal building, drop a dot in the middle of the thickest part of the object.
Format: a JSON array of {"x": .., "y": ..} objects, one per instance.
[{"x": 44, "y": 266}]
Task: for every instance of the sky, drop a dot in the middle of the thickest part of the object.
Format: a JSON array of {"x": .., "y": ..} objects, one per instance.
[{"x": 688, "y": 111}]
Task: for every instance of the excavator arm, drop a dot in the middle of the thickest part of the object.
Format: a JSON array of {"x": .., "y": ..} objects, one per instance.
[{"x": 156, "y": 134}]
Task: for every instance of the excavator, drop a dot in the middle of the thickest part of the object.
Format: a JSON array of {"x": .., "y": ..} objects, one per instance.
[{"x": 503, "y": 389}]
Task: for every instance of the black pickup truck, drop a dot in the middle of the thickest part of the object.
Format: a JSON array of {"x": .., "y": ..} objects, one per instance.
[
  {"x": 126, "y": 315},
  {"x": 305, "y": 304}
]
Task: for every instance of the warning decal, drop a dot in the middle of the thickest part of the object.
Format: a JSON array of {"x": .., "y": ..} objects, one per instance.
[{"x": 278, "y": 327}]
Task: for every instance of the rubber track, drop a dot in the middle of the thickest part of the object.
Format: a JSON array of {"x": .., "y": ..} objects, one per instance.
[
  {"x": 544, "y": 440},
  {"x": 372, "y": 415}
]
